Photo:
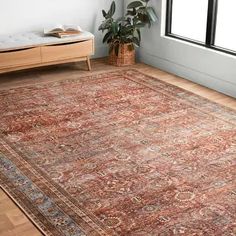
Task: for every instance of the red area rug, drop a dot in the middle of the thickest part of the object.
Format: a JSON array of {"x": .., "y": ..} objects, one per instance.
[{"x": 119, "y": 153}]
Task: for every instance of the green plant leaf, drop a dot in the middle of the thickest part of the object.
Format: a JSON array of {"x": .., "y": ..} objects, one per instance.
[
  {"x": 142, "y": 10},
  {"x": 114, "y": 27},
  {"x": 104, "y": 13},
  {"x": 143, "y": 18},
  {"x": 131, "y": 13},
  {"x": 152, "y": 14},
  {"x": 136, "y": 41},
  {"x": 140, "y": 25},
  {"x": 107, "y": 36},
  {"x": 139, "y": 34},
  {"x": 127, "y": 29},
  {"x": 112, "y": 10},
  {"x": 135, "y": 4},
  {"x": 106, "y": 24},
  {"x": 101, "y": 27}
]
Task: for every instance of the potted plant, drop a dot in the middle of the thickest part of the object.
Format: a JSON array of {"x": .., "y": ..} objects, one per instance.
[{"x": 123, "y": 34}]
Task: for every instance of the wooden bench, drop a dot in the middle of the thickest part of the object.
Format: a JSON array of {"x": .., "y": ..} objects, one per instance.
[{"x": 31, "y": 50}]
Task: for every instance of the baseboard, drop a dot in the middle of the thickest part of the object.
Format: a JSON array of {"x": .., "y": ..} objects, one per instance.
[{"x": 198, "y": 77}]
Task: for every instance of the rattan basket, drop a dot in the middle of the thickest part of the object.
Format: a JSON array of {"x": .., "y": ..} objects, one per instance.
[{"x": 125, "y": 57}]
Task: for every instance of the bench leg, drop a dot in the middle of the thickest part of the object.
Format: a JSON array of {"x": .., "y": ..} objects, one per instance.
[{"x": 88, "y": 63}]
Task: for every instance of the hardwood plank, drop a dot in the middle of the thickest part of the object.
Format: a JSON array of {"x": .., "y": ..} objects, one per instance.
[{"x": 13, "y": 222}]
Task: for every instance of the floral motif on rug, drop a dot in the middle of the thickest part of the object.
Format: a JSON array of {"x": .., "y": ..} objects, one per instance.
[{"x": 119, "y": 153}]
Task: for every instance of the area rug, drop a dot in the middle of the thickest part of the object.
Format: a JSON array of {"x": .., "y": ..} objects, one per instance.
[{"x": 119, "y": 153}]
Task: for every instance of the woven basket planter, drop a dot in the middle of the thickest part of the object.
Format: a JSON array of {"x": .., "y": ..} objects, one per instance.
[{"x": 125, "y": 57}]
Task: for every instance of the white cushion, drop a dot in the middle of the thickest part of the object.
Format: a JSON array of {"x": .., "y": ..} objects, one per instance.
[{"x": 32, "y": 39}]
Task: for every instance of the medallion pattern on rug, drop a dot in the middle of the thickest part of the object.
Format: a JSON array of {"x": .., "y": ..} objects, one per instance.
[{"x": 119, "y": 153}]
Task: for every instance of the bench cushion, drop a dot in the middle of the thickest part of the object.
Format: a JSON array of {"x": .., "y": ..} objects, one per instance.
[{"x": 33, "y": 39}]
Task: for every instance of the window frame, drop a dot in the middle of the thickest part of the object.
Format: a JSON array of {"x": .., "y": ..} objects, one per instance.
[{"x": 210, "y": 27}]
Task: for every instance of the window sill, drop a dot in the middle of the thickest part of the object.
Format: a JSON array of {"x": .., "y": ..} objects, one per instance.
[{"x": 218, "y": 50}]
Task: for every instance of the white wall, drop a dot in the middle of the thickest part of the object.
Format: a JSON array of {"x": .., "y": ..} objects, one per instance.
[
  {"x": 27, "y": 15},
  {"x": 212, "y": 69}
]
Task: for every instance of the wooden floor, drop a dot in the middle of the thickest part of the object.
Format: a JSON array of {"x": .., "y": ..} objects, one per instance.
[{"x": 12, "y": 221}]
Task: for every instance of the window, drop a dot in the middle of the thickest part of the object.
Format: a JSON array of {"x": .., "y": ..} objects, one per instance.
[
  {"x": 208, "y": 23},
  {"x": 189, "y": 19},
  {"x": 225, "y": 27}
]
